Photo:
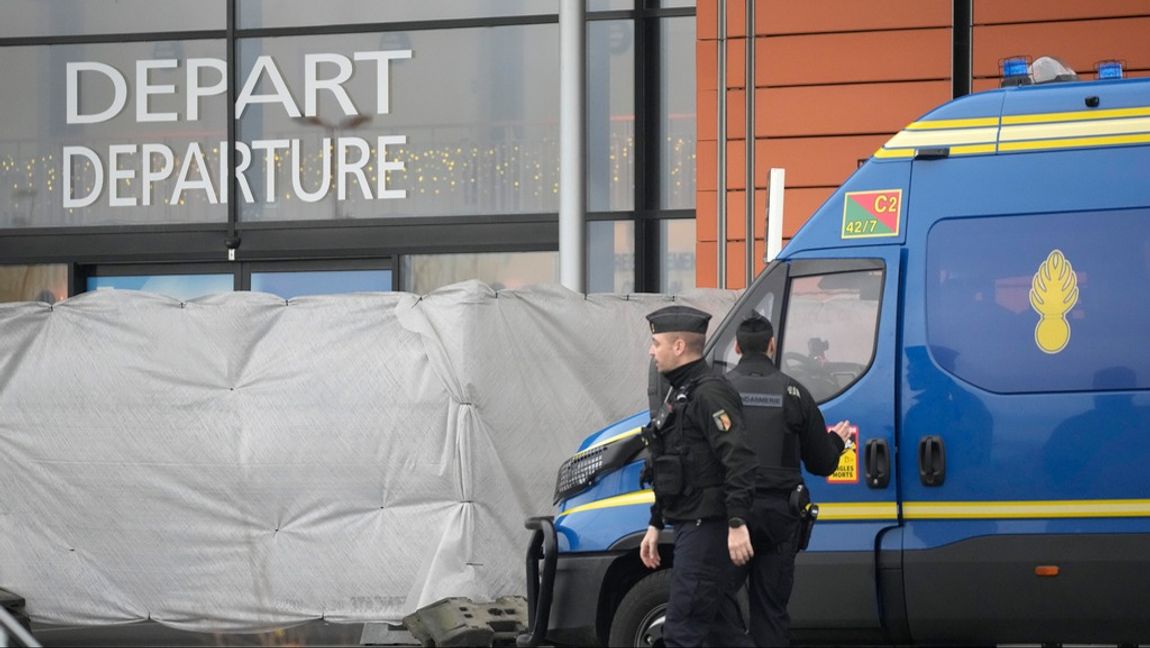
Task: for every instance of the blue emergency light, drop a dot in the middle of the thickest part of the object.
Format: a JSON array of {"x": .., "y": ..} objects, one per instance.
[
  {"x": 1015, "y": 71},
  {"x": 1108, "y": 69}
]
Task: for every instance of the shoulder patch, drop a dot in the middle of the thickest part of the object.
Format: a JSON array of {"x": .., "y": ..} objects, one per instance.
[
  {"x": 722, "y": 420},
  {"x": 793, "y": 391}
]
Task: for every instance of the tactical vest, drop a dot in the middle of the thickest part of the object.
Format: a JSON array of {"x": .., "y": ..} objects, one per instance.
[
  {"x": 774, "y": 443},
  {"x": 683, "y": 461}
]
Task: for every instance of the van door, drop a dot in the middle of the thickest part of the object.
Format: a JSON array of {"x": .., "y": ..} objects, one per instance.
[
  {"x": 836, "y": 319},
  {"x": 1024, "y": 397}
]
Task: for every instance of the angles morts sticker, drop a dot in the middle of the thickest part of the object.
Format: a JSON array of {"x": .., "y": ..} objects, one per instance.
[{"x": 872, "y": 214}]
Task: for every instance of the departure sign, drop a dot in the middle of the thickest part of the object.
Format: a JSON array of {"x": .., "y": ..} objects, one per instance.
[{"x": 872, "y": 214}]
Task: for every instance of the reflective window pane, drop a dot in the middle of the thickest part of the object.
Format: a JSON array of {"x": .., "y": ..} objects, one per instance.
[
  {"x": 610, "y": 5},
  {"x": 677, "y": 113},
  {"x": 178, "y": 286},
  {"x": 109, "y": 134},
  {"x": 611, "y": 256},
  {"x": 295, "y": 13},
  {"x": 22, "y": 18},
  {"x": 421, "y": 123},
  {"x": 423, "y": 273},
  {"x": 610, "y": 115},
  {"x": 45, "y": 283},
  {"x": 829, "y": 333},
  {"x": 323, "y": 282},
  {"x": 676, "y": 255}
]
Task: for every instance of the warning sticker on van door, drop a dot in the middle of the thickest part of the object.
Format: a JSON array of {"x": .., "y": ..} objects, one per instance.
[
  {"x": 847, "y": 471},
  {"x": 871, "y": 214}
]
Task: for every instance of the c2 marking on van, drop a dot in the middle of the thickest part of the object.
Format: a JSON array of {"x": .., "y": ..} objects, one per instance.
[
  {"x": 847, "y": 471},
  {"x": 872, "y": 214},
  {"x": 1053, "y": 292}
]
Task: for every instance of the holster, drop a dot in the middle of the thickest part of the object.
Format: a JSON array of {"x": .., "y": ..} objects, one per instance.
[{"x": 807, "y": 512}]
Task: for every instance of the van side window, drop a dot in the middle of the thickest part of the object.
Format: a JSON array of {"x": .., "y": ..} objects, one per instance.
[
  {"x": 1041, "y": 302},
  {"x": 830, "y": 330}
]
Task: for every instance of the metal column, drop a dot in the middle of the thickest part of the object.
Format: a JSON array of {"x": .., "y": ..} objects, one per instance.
[{"x": 572, "y": 144}]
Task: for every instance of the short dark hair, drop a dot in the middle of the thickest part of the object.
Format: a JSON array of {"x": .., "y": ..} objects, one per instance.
[{"x": 754, "y": 334}]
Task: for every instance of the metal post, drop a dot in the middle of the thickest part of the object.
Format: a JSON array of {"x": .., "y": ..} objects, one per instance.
[
  {"x": 721, "y": 156},
  {"x": 749, "y": 149},
  {"x": 572, "y": 144},
  {"x": 776, "y": 185}
]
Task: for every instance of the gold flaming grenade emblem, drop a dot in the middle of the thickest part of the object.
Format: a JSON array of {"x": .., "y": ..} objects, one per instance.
[{"x": 1053, "y": 292}]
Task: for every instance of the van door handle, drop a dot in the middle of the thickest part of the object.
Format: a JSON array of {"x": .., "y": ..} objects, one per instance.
[
  {"x": 931, "y": 461},
  {"x": 877, "y": 457}
]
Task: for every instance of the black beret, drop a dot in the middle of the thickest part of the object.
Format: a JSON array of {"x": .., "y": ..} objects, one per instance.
[{"x": 679, "y": 318}]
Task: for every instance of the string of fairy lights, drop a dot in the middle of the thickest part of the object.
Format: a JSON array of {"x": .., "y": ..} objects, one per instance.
[{"x": 440, "y": 179}]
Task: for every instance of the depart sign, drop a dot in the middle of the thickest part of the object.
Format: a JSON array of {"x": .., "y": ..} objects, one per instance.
[{"x": 345, "y": 157}]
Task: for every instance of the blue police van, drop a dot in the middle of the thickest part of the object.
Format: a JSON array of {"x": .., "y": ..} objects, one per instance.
[{"x": 975, "y": 299}]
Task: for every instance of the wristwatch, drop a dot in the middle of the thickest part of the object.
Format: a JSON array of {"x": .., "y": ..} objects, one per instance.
[{"x": 736, "y": 522}]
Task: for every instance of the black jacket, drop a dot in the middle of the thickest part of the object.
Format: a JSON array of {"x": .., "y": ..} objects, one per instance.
[
  {"x": 820, "y": 450},
  {"x": 712, "y": 405}
]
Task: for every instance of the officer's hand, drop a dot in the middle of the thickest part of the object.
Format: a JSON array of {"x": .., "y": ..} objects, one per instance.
[
  {"x": 843, "y": 429},
  {"x": 649, "y": 548},
  {"x": 739, "y": 544}
]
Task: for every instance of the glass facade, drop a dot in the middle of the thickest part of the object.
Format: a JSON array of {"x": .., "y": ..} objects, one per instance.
[
  {"x": 24, "y": 18},
  {"x": 290, "y": 284},
  {"x": 112, "y": 134},
  {"x": 423, "y": 273},
  {"x": 301, "y": 13},
  {"x": 176, "y": 286},
  {"x": 386, "y": 133},
  {"x": 677, "y": 114},
  {"x": 44, "y": 283}
]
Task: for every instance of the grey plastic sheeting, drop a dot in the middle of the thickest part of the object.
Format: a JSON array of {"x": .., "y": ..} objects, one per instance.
[{"x": 239, "y": 462}]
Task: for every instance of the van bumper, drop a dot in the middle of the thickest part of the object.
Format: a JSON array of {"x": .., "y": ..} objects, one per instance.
[{"x": 562, "y": 590}]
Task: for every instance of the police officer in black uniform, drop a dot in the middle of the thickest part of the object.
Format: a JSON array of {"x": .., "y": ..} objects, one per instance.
[
  {"x": 703, "y": 477},
  {"x": 784, "y": 426}
]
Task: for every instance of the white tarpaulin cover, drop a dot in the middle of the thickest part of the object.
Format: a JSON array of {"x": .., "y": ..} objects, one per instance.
[{"x": 239, "y": 462}]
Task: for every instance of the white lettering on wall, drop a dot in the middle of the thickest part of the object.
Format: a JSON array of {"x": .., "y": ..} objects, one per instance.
[
  {"x": 146, "y": 89},
  {"x": 149, "y": 174},
  {"x": 266, "y": 66},
  {"x": 72, "y": 92},
  {"x": 382, "y": 75},
  {"x": 313, "y": 84},
  {"x": 196, "y": 91},
  {"x": 71, "y": 200},
  {"x": 132, "y": 173}
]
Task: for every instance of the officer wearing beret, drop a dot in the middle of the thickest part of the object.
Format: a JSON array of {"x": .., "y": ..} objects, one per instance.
[
  {"x": 703, "y": 478},
  {"x": 784, "y": 426}
]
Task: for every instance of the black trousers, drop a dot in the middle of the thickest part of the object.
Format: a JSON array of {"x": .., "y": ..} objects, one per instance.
[
  {"x": 770, "y": 575},
  {"x": 703, "y": 610}
]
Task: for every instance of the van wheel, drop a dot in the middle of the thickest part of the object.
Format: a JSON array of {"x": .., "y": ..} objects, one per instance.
[{"x": 639, "y": 619}]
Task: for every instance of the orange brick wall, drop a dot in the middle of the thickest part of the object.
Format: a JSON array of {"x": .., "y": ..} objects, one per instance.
[{"x": 834, "y": 79}]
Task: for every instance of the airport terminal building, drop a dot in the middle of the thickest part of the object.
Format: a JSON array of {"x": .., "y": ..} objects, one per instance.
[{"x": 299, "y": 148}]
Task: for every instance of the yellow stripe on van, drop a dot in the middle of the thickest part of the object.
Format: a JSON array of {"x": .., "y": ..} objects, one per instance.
[
  {"x": 828, "y": 511},
  {"x": 1075, "y": 142},
  {"x": 858, "y": 511},
  {"x": 1063, "y": 130},
  {"x": 1020, "y": 133},
  {"x": 894, "y": 153},
  {"x": 951, "y": 137},
  {"x": 627, "y": 499},
  {"x": 622, "y": 435},
  {"x": 1078, "y": 115},
  {"x": 1025, "y": 509},
  {"x": 974, "y": 122},
  {"x": 973, "y": 149}
]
